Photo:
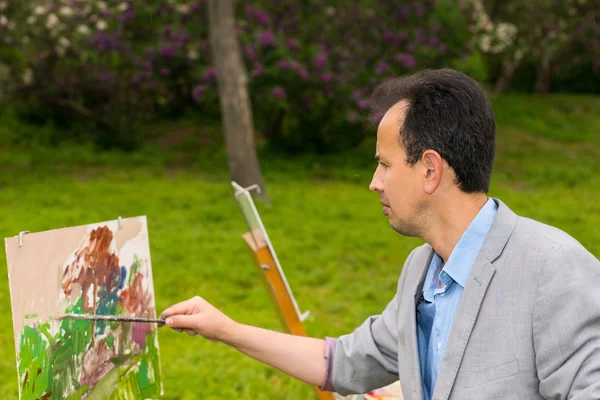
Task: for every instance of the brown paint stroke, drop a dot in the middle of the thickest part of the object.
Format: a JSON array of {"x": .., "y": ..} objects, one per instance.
[{"x": 94, "y": 266}]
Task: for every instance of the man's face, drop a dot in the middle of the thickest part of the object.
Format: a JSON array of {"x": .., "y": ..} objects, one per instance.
[{"x": 398, "y": 184}]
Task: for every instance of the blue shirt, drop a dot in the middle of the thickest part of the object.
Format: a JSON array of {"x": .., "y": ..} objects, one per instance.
[{"x": 442, "y": 290}]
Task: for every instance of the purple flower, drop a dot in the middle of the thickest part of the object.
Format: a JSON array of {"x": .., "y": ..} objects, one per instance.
[
  {"x": 327, "y": 77},
  {"x": 400, "y": 36},
  {"x": 442, "y": 47},
  {"x": 284, "y": 65},
  {"x": 293, "y": 44},
  {"x": 403, "y": 11},
  {"x": 164, "y": 71},
  {"x": 421, "y": 35},
  {"x": 258, "y": 70},
  {"x": 147, "y": 65},
  {"x": 302, "y": 73},
  {"x": 105, "y": 77},
  {"x": 128, "y": 15},
  {"x": 406, "y": 59},
  {"x": 411, "y": 47},
  {"x": 198, "y": 93},
  {"x": 320, "y": 60},
  {"x": 387, "y": 36},
  {"x": 209, "y": 74},
  {"x": 167, "y": 52},
  {"x": 381, "y": 67},
  {"x": 250, "y": 52},
  {"x": 139, "y": 77},
  {"x": 279, "y": 92},
  {"x": 419, "y": 10},
  {"x": 353, "y": 116},
  {"x": 104, "y": 42},
  {"x": 363, "y": 105},
  {"x": 262, "y": 17},
  {"x": 266, "y": 38},
  {"x": 357, "y": 95},
  {"x": 195, "y": 8}
]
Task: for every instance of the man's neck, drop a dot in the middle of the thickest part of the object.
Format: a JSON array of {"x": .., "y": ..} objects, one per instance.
[{"x": 449, "y": 220}]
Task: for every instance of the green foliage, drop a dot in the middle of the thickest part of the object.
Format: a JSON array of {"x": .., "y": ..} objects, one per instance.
[{"x": 99, "y": 70}]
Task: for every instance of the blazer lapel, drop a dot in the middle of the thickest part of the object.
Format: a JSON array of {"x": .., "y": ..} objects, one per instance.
[
  {"x": 472, "y": 298},
  {"x": 409, "y": 365},
  {"x": 465, "y": 318}
]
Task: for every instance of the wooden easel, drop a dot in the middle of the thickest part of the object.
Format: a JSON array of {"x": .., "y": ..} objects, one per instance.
[{"x": 266, "y": 261}]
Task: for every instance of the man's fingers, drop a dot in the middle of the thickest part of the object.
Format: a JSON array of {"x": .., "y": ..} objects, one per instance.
[
  {"x": 185, "y": 307},
  {"x": 191, "y": 332},
  {"x": 183, "y": 321}
]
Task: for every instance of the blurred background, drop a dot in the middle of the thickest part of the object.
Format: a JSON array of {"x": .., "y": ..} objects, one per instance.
[{"x": 112, "y": 108}]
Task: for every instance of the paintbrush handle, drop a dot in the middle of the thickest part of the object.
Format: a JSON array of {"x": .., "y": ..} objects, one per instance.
[{"x": 110, "y": 318}]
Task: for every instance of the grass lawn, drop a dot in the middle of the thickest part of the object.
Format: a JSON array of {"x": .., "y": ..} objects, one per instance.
[{"x": 341, "y": 258}]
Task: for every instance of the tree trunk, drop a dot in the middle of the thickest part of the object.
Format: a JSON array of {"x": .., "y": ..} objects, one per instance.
[
  {"x": 543, "y": 76},
  {"x": 504, "y": 81},
  {"x": 232, "y": 82}
]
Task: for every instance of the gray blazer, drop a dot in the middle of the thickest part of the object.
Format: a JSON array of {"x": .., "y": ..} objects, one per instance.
[{"x": 527, "y": 325}]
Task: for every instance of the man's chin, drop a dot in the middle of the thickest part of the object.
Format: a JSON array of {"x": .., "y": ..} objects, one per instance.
[{"x": 402, "y": 229}]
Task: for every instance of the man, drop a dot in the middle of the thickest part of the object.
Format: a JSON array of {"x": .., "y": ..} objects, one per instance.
[{"x": 493, "y": 306}]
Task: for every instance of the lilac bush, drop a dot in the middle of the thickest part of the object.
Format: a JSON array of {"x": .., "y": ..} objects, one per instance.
[{"x": 311, "y": 65}]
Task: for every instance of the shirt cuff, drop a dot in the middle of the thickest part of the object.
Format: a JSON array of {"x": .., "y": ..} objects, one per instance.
[{"x": 330, "y": 344}]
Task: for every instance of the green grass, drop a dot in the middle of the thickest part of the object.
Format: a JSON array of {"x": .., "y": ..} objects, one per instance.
[{"x": 341, "y": 258}]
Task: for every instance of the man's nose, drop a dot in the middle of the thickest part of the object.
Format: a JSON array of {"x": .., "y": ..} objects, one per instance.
[{"x": 376, "y": 184}]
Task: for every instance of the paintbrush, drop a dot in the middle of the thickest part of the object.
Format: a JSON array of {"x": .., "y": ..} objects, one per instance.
[{"x": 110, "y": 318}]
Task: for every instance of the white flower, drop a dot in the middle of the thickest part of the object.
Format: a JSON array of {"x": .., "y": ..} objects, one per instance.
[
  {"x": 193, "y": 54},
  {"x": 485, "y": 42},
  {"x": 3, "y": 5},
  {"x": 28, "y": 76},
  {"x": 101, "y": 6},
  {"x": 64, "y": 42},
  {"x": 101, "y": 25},
  {"x": 183, "y": 8},
  {"x": 66, "y": 11},
  {"x": 31, "y": 19},
  {"x": 52, "y": 21},
  {"x": 25, "y": 39},
  {"x": 83, "y": 29},
  {"x": 39, "y": 10},
  {"x": 3, "y": 20},
  {"x": 330, "y": 11},
  {"x": 123, "y": 7},
  {"x": 60, "y": 50}
]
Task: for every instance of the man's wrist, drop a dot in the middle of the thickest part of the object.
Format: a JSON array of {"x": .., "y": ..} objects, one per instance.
[{"x": 231, "y": 334}]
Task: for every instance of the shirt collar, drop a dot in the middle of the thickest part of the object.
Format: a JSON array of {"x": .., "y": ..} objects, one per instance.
[{"x": 465, "y": 252}]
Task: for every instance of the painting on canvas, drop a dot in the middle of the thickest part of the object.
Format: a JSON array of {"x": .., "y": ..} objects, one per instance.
[{"x": 101, "y": 269}]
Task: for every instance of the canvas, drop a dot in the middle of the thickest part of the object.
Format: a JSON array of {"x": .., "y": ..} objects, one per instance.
[{"x": 101, "y": 269}]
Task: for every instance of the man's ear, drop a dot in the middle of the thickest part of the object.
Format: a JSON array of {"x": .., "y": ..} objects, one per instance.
[{"x": 433, "y": 166}]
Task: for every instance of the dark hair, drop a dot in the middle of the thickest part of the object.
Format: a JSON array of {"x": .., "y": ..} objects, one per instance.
[{"x": 447, "y": 112}]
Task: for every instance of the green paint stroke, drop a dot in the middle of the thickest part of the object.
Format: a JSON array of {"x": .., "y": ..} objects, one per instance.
[
  {"x": 34, "y": 363},
  {"x": 149, "y": 375},
  {"x": 135, "y": 268}
]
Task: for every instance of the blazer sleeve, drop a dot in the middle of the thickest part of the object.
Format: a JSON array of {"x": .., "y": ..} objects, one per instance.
[
  {"x": 566, "y": 326},
  {"x": 367, "y": 358}
]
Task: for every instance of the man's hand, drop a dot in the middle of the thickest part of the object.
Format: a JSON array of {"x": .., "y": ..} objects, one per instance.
[
  {"x": 299, "y": 356},
  {"x": 197, "y": 316}
]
